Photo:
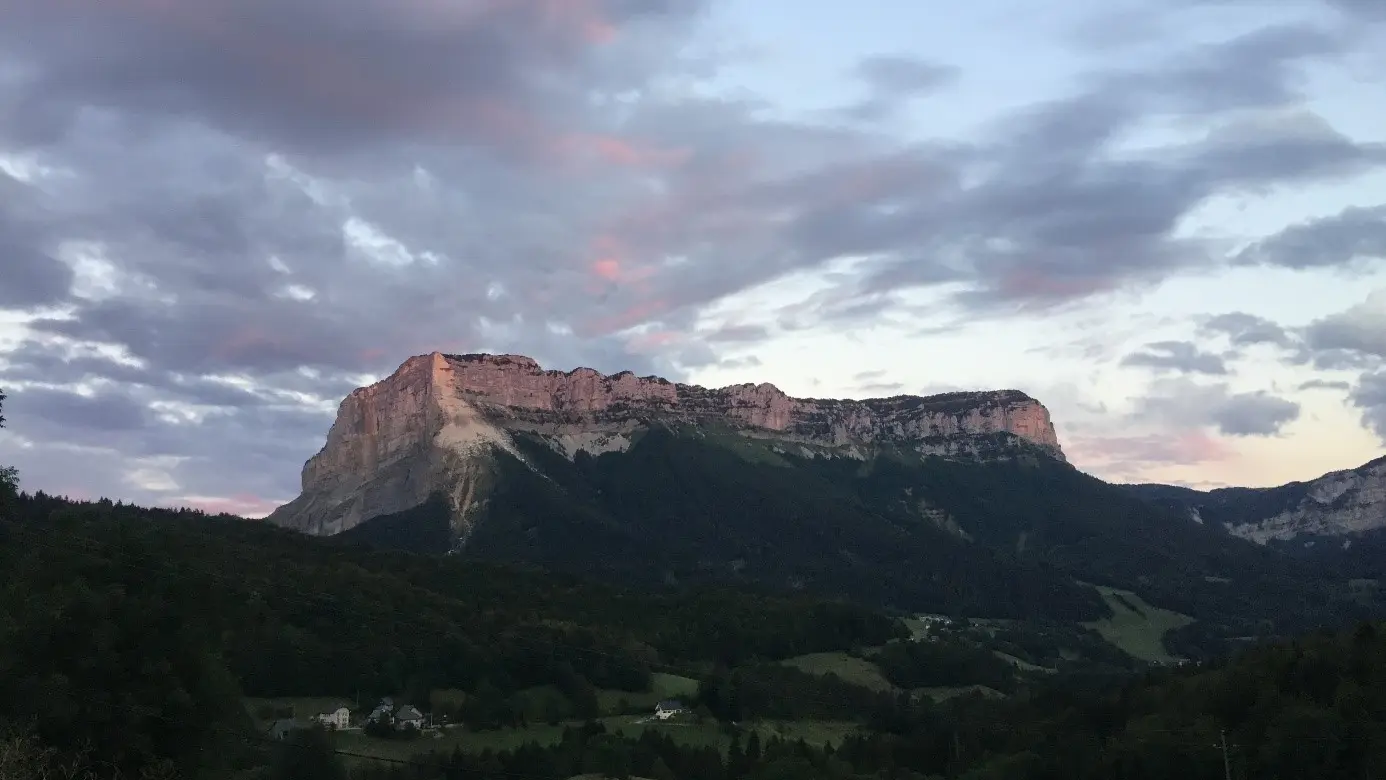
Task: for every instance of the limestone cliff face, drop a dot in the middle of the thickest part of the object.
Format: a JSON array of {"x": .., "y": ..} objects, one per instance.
[
  {"x": 1341, "y": 503},
  {"x": 429, "y": 426}
]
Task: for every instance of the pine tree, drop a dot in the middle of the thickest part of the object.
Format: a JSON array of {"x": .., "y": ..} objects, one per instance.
[{"x": 9, "y": 477}]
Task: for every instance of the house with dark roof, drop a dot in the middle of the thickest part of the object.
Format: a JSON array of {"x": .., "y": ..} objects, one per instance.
[{"x": 408, "y": 715}]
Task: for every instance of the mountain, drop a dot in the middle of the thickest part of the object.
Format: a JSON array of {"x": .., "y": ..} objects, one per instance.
[
  {"x": 1341, "y": 503},
  {"x": 960, "y": 503},
  {"x": 394, "y": 442},
  {"x": 1337, "y": 520}
]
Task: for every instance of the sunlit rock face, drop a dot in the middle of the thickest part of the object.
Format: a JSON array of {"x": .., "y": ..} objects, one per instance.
[{"x": 433, "y": 426}]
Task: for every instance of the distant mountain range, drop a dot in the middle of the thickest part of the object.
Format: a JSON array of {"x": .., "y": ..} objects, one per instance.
[
  {"x": 1339, "y": 518},
  {"x": 960, "y": 503}
]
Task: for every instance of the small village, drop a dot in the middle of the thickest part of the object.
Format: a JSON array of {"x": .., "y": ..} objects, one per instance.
[{"x": 389, "y": 718}]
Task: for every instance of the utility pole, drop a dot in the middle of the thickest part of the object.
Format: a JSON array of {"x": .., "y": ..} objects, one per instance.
[{"x": 1226, "y": 764}]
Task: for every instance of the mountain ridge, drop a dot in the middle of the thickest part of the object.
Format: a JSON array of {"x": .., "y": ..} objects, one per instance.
[
  {"x": 395, "y": 441},
  {"x": 1344, "y": 504}
]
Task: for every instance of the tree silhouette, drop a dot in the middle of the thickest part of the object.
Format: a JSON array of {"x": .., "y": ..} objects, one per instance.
[{"x": 9, "y": 477}]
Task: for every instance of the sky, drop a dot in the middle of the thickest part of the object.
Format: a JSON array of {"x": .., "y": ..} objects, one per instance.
[{"x": 1165, "y": 219}]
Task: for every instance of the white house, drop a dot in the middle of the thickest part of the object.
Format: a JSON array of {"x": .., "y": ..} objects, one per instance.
[
  {"x": 668, "y": 709},
  {"x": 408, "y": 715},
  {"x": 339, "y": 718}
]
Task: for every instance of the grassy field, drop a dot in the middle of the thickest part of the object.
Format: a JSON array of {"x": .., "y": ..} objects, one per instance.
[
  {"x": 304, "y": 707},
  {"x": 1020, "y": 663},
  {"x": 1137, "y": 627},
  {"x": 943, "y": 694},
  {"x": 662, "y": 686},
  {"x": 686, "y": 732},
  {"x": 853, "y": 670}
]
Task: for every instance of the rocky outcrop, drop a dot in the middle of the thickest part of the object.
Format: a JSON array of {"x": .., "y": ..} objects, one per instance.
[
  {"x": 1337, "y": 504},
  {"x": 429, "y": 427}
]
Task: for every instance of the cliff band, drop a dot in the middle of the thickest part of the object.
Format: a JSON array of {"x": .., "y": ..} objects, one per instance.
[{"x": 432, "y": 427}]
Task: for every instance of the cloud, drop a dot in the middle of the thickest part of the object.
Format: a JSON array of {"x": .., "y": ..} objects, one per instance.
[
  {"x": 905, "y": 75},
  {"x": 33, "y": 277},
  {"x": 891, "y": 80},
  {"x": 1244, "y": 329},
  {"x": 1370, "y": 396},
  {"x": 1126, "y": 458},
  {"x": 1068, "y": 216},
  {"x": 881, "y": 388},
  {"x": 1356, "y": 235},
  {"x": 233, "y": 211},
  {"x": 1348, "y": 340},
  {"x": 1360, "y": 329},
  {"x": 1182, "y": 356},
  {"x": 1185, "y": 404},
  {"x": 1325, "y": 384}
]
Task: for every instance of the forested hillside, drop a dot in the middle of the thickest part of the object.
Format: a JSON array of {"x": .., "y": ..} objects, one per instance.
[
  {"x": 179, "y": 615},
  {"x": 1010, "y": 538},
  {"x": 130, "y": 640}
]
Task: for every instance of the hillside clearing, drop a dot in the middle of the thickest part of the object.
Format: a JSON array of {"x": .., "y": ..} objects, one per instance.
[
  {"x": 851, "y": 669},
  {"x": 662, "y": 686},
  {"x": 1137, "y": 627},
  {"x": 943, "y": 694},
  {"x": 302, "y": 707}
]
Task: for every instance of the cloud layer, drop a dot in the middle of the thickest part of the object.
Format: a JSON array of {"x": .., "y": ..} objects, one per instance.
[{"x": 218, "y": 216}]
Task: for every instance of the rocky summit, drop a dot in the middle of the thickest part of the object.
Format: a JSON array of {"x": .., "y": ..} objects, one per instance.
[{"x": 431, "y": 427}]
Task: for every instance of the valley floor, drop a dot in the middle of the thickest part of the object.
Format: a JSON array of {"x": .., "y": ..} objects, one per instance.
[{"x": 689, "y": 733}]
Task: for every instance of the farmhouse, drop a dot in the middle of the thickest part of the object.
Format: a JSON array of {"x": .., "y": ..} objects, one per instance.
[
  {"x": 408, "y": 715},
  {"x": 668, "y": 709},
  {"x": 339, "y": 718}
]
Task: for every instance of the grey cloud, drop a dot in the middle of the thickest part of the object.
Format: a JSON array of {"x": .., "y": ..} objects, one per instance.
[
  {"x": 749, "y": 361},
  {"x": 102, "y": 412},
  {"x": 1354, "y": 235},
  {"x": 1065, "y": 219},
  {"x": 1244, "y": 329},
  {"x": 737, "y": 334},
  {"x": 1181, "y": 356},
  {"x": 1324, "y": 384},
  {"x": 1370, "y": 396},
  {"x": 294, "y": 74},
  {"x": 1360, "y": 331},
  {"x": 899, "y": 74},
  {"x": 892, "y": 80},
  {"x": 1188, "y": 404},
  {"x": 32, "y": 276},
  {"x": 1256, "y": 414},
  {"x": 881, "y": 388}
]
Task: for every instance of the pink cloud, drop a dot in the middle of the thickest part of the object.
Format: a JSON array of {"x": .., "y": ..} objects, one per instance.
[
  {"x": 647, "y": 342},
  {"x": 242, "y": 505},
  {"x": 1030, "y": 283},
  {"x": 1128, "y": 457},
  {"x": 607, "y": 268},
  {"x": 629, "y": 318}
]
